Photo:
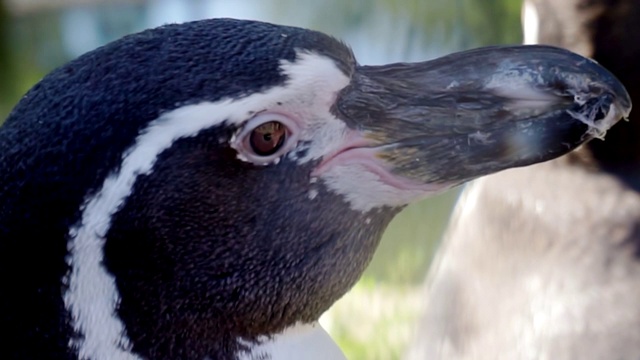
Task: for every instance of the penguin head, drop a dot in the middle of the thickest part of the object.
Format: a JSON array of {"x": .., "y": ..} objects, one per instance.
[{"x": 196, "y": 187}]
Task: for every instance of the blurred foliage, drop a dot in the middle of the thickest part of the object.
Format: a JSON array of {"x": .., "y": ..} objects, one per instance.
[
  {"x": 373, "y": 322},
  {"x": 463, "y": 23},
  {"x": 407, "y": 246},
  {"x": 471, "y": 23},
  {"x": 7, "y": 72},
  {"x": 30, "y": 46}
]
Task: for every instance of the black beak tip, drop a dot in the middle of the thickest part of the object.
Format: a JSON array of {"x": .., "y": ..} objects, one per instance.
[{"x": 596, "y": 99}]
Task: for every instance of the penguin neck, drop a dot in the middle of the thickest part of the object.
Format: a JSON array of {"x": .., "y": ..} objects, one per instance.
[
  {"x": 197, "y": 276},
  {"x": 220, "y": 303}
]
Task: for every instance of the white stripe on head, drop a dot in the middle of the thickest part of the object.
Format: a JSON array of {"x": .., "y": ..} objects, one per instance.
[
  {"x": 92, "y": 296},
  {"x": 299, "y": 342}
]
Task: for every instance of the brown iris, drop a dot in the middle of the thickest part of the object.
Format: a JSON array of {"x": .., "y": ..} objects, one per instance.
[{"x": 268, "y": 138}]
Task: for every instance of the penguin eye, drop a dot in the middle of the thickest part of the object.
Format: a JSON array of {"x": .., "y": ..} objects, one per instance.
[{"x": 268, "y": 138}]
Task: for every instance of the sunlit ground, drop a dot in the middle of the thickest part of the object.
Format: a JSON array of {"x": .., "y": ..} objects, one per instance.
[{"x": 374, "y": 321}]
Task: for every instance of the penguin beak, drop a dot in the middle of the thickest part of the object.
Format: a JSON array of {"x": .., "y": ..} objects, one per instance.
[{"x": 477, "y": 112}]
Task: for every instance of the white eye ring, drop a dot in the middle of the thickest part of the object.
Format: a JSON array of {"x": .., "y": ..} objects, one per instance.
[{"x": 244, "y": 140}]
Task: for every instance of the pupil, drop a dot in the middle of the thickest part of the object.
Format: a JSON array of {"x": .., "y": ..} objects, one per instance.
[{"x": 267, "y": 138}]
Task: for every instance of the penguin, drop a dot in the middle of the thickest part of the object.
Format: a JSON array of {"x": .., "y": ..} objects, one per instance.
[
  {"x": 207, "y": 190},
  {"x": 542, "y": 262}
]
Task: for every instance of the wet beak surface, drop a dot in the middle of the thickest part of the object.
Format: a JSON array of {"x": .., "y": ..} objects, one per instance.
[{"x": 473, "y": 113}]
